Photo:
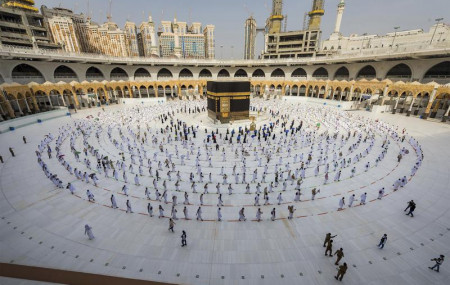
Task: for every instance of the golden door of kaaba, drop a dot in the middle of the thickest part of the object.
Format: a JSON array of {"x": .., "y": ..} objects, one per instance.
[{"x": 228, "y": 100}]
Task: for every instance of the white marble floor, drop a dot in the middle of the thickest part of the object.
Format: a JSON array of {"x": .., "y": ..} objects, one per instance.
[{"x": 42, "y": 225}]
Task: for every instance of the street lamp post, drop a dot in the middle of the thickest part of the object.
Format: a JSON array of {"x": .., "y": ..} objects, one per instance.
[
  {"x": 438, "y": 20},
  {"x": 395, "y": 35},
  {"x": 221, "y": 52},
  {"x": 232, "y": 52}
]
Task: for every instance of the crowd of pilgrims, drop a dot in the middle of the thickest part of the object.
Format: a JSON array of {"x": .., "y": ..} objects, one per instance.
[{"x": 161, "y": 157}]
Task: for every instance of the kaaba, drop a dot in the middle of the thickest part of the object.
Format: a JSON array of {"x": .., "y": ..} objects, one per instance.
[{"x": 228, "y": 100}]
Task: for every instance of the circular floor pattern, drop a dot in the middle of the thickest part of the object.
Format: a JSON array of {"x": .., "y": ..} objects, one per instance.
[{"x": 293, "y": 144}]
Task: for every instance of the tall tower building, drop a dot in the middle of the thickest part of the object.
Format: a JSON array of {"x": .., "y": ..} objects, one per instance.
[
  {"x": 132, "y": 42},
  {"x": 78, "y": 20},
  {"x": 315, "y": 16},
  {"x": 276, "y": 18},
  {"x": 148, "y": 38},
  {"x": 63, "y": 33},
  {"x": 250, "y": 37},
  {"x": 210, "y": 44}
]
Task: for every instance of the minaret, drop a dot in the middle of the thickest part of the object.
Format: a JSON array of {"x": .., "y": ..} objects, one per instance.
[
  {"x": 315, "y": 16},
  {"x": 340, "y": 13},
  {"x": 250, "y": 36},
  {"x": 276, "y": 18}
]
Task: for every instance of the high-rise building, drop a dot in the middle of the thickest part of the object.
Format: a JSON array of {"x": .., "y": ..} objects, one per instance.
[
  {"x": 63, "y": 33},
  {"x": 21, "y": 25},
  {"x": 210, "y": 45},
  {"x": 250, "y": 38},
  {"x": 147, "y": 39},
  {"x": 177, "y": 40},
  {"x": 292, "y": 44},
  {"x": 107, "y": 39},
  {"x": 132, "y": 41},
  {"x": 78, "y": 20}
]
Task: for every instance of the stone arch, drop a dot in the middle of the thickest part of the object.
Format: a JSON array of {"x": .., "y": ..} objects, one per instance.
[
  {"x": 277, "y": 73},
  {"x": 223, "y": 73},
  {"x": 440, "y": 70},
  {"x": 168, "y": 91},
  {"x": 119, "y": 93},
  {"x": 64, "y": 73},
  {"x": 398, "y": 71},
  {"x": 302, "y": 91},
  {"x": 299, "y": 72},
  {"x": 119, "y": 74},
  {"x": 342, "y": 73},
  {"x": 143, "y": 91},
  {"x": 185, "y": 73},
  {"x": 24, "y": 73},
  {"x": 142, "y": 74},
  {"x": 367, "y": 72},
  {"x": 320, "y": 72},
  {"x": 93, "y": 73},
  {"x": 164, "y": 73},
  {"x": 205, "y": 73},
  {"x": 258, "y": 73},
  {"x": 240, "y": 73}
]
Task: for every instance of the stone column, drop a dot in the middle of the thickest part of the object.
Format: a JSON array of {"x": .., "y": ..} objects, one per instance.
[
  {"x": 50, "y": 100},
  {"x": 10, "y": 109},
  {"x": 155, "y": 87},
  {"x": 139, "y": 92},
  {"x": 64, "y": 101},
  {"x": 430, "y": 103},
  {"x": 444, "y": 118},
  {"x": 350, "y": 96},
  {"x": 36, "y": 105},
  {"x": 408, "y": 113},
  {"x": 26, "y": 104}
]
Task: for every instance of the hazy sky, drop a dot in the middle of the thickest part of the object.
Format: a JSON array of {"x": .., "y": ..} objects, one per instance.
[{"x": 360, "y": 16}]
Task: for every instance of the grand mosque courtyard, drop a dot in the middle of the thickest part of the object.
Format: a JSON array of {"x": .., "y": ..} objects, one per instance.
[{"x": 168, "y": 159}]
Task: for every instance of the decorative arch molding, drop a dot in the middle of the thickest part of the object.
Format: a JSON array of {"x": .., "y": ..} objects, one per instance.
[
  {"x": 278, "y": 73},
  {"x": 258, "y": 73},
  {"x": 24, "y": 73},
  {"x": 142, "y": 74},
  {"x": 320, "y": 73},
  {"x": 205, "y": 73},
  {"x": 94, "y": 73},
  {"x": 367, "y": 72},
  {"x": 240, "y": 73},
  {"x": 164, "y": 73},
  {"x": 186, "y": 73},
  {"x": 223, "y": 73},
  {"x": 64, "y": 73},
  {"x": 118, "y": 73}
]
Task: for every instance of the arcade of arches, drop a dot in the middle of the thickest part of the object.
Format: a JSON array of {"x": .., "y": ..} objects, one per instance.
[{"x": 426, "y": 100}]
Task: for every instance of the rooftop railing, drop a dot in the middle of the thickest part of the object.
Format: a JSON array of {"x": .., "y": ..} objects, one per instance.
[{"x": 418, "y": 49}]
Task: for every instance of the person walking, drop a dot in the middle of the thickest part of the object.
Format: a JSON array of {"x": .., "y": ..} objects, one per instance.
[
  {"x": 329, "y": 248},
  {"x": 183, "y": 238},
  {"x": 340, "y": 255},
  {"x": 382, "y": 241},
  {"x": 171, "y": 224},
  {"x": 412, "y": 207},
  {"x": 328, "y": 237},
  {"x": 438, "y": 261},
  {"x": 11, "y": 150},
  {"x": 409, "y": 205},
  {"x": 24, "y": 140},
  {"x": 341, "y": 272},
  {"x": 88, "y": 232}
]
